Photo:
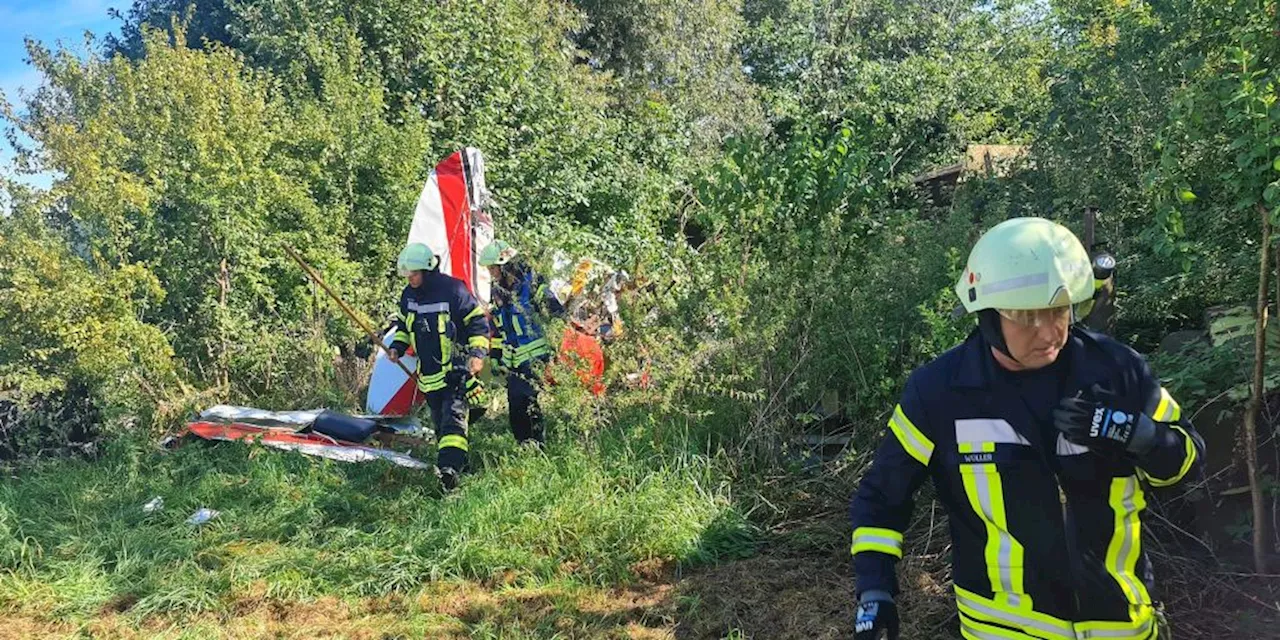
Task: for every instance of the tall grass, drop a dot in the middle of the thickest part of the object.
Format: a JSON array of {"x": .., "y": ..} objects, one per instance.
[{"x": 74, "y": 540}]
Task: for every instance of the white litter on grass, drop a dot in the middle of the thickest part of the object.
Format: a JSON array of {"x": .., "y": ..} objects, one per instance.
[
  {"x": 202, "y": 516},
  {"x": 153, "y": 505}
]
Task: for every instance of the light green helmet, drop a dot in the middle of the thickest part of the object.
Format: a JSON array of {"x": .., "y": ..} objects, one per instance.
[
  {"x": 1026, "y": 264},
  {"x": 415, "y": 257},
  {"x": 497, "y": 253}
]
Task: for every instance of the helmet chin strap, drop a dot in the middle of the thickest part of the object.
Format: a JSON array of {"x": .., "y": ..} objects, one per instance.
[{"x": 989, "y": 325}]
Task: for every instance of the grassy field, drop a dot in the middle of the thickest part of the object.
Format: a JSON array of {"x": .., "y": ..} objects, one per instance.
[
  {"x": 601, "y": 537},
  {"x": 573, "y": 525}
]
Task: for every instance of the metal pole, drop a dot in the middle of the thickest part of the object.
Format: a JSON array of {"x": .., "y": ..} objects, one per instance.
[{"x": 364, "y": 324}]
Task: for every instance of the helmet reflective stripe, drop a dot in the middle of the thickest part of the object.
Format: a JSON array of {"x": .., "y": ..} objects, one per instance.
[
  {"x": 1019, "y": 282},
  {"x": 1026, "y": 263},
  {"x": 415, "y": 257}
]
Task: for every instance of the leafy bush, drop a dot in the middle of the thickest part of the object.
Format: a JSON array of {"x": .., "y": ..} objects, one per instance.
[{"x": 73, "y": 334}]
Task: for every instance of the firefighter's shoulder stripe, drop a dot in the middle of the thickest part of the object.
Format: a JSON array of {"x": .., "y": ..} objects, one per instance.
[{"x": 911, "y": 438}]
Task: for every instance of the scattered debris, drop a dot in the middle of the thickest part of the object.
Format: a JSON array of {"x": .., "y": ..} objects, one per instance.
[
  {"x": 308, "y": 443},
  {"x": 153, "y": 505},
  {"x": 314, "y": 432},
  {"x": 202, "y": 516},
  {"x": 249, "y": 415}
]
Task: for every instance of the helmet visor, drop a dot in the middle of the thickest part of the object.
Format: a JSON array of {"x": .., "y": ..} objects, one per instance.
[{"x": 1044, "y": 317}]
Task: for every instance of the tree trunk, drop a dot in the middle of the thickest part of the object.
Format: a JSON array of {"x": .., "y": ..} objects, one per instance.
[
  {"x": 1090, "y": 221},
  {"x": 1250, "y": 436},
  {"x": 224, "y": 363}
]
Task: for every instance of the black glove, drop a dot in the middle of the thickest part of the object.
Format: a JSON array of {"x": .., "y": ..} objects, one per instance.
[
  {"x": 454, "y": 377},
  {"x": 877, "y": 617},
  {"x": 1098, "y": 422}
]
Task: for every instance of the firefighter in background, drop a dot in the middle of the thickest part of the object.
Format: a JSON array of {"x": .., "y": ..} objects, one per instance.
[
  {"x": 447, "y": 328},
  {"x": 1041, "y": 439},
  {"x": 519, "y": 344}
]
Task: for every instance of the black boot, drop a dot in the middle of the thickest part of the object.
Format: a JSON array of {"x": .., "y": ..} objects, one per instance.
[{"x": 449, "y": 478}]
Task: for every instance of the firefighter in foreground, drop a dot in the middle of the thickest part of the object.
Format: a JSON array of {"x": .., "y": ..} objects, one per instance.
[
  {"x": 519, "y": 344},
  {"x": 1040, "y": 438},
  {"x": 436, "y": 313}
]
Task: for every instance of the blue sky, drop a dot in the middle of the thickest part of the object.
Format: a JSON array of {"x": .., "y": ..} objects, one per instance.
[{"x": 48, "y": 21}]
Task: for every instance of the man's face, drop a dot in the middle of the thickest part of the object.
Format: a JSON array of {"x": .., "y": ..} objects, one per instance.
[
  {"x": 1035, "y": 339},
  {"x": 415, "y": 279},
  {"x": 495, "y": 273}
]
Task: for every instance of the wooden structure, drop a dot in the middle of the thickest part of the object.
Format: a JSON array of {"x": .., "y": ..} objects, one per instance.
[{"x": 980, "y": 160}]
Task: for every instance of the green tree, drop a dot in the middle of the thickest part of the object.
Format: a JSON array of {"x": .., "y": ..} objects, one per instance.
[{"x": 70, "y": 327}]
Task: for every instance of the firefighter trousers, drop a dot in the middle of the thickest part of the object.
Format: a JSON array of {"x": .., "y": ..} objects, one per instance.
[
  {"x": 522, "y": 400},
  {"x": 449, "y": 415}
]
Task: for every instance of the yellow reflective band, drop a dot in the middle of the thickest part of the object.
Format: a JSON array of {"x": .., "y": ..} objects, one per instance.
[
  {"x": 515, "y": 324},
  {"x": 430, "y": 382},
  {"x": 1036, "y": 624},
  {"x": 532, "y": 345},
  {"x": 527, "y": 352},
  {"x": 911, "y": 439},
  {"x": 446, "y": 348},
  {"x": 454, "y": 442},
  {"x": 973, "y": 630},
  {"x": 1004, "y": 555},
  {"x": 1127, "y": 502},
  {"x": 495, "y": 342},
  {"x": 1141, "y": 627},
  {"x": 473, "y": 315},
  {"x": 478, "y": 342},
  {"x": 413, "y": 337},
  {"x": 520, "y": 360},
  {"x": 1188, "y": 459},
  {"x": 1168, "y": 409},
  {"x": 400, "y": 336},
  {"x": 885, "y": 541}
]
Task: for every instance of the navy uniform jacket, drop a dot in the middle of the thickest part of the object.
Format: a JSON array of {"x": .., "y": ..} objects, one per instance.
[
  {"x": 1046, "y": 534},
  {"x": 518, "y": 335},
  {"x": 432, "y": 318}
]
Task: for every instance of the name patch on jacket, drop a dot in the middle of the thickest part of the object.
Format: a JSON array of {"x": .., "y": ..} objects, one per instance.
[
  {"x": 996, "y": 434},
  {"x": 984, "y": 430},
  {"x": 431, "y": 307}
]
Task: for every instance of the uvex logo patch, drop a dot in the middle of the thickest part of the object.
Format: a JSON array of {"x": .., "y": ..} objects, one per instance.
[{"x": 1099, "y": 416}]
